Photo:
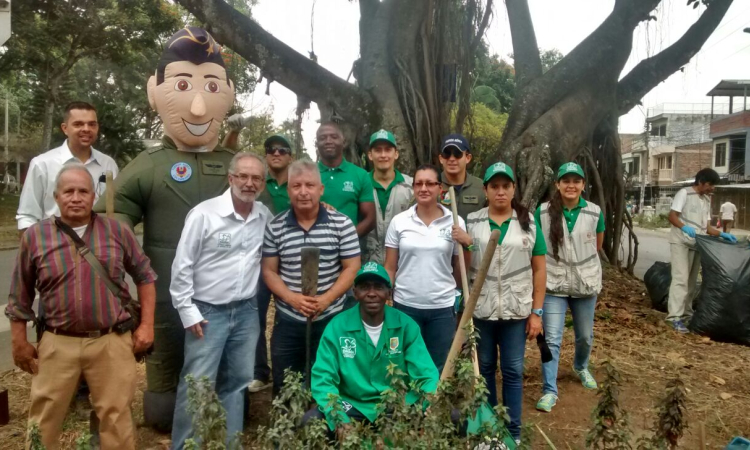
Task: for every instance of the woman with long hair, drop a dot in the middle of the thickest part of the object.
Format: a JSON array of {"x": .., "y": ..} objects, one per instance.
[
  {"x": 573, "y": 230},
  {"x": 421, "y": 258},
  {"x": 509, "y": 308}
]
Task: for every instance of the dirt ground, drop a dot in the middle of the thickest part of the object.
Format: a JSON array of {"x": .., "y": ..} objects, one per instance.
[{"x": 627, "y": 332}]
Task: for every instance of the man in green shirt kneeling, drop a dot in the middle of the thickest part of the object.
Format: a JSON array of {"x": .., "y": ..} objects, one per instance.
[{"x": 356, "y": 349}]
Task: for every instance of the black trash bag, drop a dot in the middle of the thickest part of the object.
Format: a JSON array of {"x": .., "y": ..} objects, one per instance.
[
  {"x": 657, "y": 279},
  {"x": 723, "y": 310}
]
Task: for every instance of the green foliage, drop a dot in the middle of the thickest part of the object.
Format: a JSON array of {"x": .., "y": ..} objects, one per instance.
[
  {"x": 484, "y": 129},
  {"x": 671, "y": 422},
  {"x": 83, "y": 442},
  {"x": 611, "y": 429},
  {"x": 653, "y": 222},
  {"x": 495, "y": 85},
  {"x": 209, "y": 417},
  {"x": 35, "y": 437}
]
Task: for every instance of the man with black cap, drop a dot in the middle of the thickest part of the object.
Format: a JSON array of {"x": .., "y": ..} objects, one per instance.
[
  {"x": 359, "y": 345},
  {"x": 455, "y": 155},
  {"x": 192, "y": 94}
]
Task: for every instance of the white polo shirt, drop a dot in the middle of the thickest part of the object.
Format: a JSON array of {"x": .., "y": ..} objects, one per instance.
[
  {"x": 424, "y": 278},
  {"x": 37, "y": 200},
  {"x": 218, "y": 257}
]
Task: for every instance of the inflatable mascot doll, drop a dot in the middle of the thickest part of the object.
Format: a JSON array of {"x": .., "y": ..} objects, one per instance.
[{"x": 192, "y": 94}]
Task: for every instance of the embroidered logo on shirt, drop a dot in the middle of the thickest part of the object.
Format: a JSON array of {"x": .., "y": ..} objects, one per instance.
[
  {"x": 348, "y": 347},
  {"x": 348, "y": 186},
  {"x": 445, "y": 233},
  {"x": 225, "y": 240},
  {"x": 181, "y": 172},
  {"x": 525, "y": 242},
  {"x": 346, "y": 405},
  {"x": 393, "y": 346}
]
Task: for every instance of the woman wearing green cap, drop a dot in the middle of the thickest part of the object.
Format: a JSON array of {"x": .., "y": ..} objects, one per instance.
[
  {"x": 509, "y": 308},
  {"x": 573, "y": 230}
]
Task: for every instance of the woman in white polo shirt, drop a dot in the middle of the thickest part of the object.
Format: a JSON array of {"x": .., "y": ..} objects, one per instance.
[
  {"x": 509, "y": 308},
  {"x": 422, "y": 259}
]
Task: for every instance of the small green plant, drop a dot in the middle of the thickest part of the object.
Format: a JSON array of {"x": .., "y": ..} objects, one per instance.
[
  {"x": 35, "y": 437},
  {"x": 83, "y": 442},
  {"x": 209, "y": 418},
  {"x": 653, "y": 222},
  {"x": 611, "y": 429},
  {"x": 671, "y": 422}
]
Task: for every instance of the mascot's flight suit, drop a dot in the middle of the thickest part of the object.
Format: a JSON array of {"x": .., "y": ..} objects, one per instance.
[{"x": 192, "y": 94}]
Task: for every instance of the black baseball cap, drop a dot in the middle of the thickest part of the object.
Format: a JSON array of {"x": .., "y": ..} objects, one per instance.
[{"x": 456, "y": 140}]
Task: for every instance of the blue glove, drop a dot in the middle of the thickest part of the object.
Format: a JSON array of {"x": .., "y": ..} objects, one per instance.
[
  {"x": 690, "y": 231},
  {"x": 728, "y": 237}
]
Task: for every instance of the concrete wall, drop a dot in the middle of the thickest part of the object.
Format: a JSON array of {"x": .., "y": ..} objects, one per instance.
[{"x": 689, "y": 159}]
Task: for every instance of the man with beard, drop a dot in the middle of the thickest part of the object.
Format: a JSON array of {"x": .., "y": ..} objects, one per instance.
[
  {"x": 192, "y": 94},
  {"x": 215, "y": 278}
]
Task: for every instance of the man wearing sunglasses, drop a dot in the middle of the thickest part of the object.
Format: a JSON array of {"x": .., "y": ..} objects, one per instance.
[{"x": 455, "y": 155}]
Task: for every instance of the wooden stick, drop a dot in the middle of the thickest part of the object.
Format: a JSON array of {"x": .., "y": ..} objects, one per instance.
[
  {"x": 551, "y": 445},
  {"x": 310, "y": 262},
  {"x": 702, "y": 435},
  {"x": 110, "y": 195},
  {"x": 462, "y": 265},
  {"x": 471, "y": 303}
]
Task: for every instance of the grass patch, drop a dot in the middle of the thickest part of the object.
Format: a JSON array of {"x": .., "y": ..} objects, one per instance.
[{"x": 653, "y": 222}]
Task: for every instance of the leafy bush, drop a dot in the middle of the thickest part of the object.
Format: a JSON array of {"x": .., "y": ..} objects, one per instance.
[{"x": 653, "y": 222}]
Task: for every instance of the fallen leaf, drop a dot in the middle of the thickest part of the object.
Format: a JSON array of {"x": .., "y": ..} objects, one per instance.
[
  {"x": 725, "y": 395},
  {"x": 718, "y": 380}
]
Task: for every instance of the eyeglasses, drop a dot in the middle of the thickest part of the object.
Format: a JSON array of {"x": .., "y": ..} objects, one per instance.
[
  {"x": 256, "y": 179},
  {"x": 447, "y": 152},
  {"x": 427, "y": 184},
  {"x": 280, "y": 150}
]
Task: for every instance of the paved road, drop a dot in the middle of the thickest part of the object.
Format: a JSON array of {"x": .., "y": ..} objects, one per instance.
[{"x": 653, "y": 246}]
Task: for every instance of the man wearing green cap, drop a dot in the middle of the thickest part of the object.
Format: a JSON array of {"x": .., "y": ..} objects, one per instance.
[
  {"x": 393, "y": 190},
  {"x": 356, "y": 349}
]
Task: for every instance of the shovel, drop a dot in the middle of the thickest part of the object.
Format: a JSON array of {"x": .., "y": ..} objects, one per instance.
[{"x": 310, "y": 262}]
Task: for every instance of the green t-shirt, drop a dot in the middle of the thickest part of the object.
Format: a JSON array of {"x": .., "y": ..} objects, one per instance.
[
  {"x": 540, "y": 247},
  {"x": 278, "y": 194},
  {"x": 571, "y": 216},
  {"x": 385, "y": 193},
  {"x": 346, "y": 186}
]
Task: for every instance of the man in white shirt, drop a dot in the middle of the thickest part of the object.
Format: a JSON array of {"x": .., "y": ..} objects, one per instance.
[
  {"x": 81, "y": 127},
  {"x": 690, "y": 215},
  {"x": 727, "y": 211},
  {"x": 214, "y": 287}
]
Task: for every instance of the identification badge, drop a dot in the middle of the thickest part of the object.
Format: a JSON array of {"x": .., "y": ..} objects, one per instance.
[
  {"x": 213, "y": 168},
  {"x": 181, "y": 172},
  {"x": 471, "y": 200}
]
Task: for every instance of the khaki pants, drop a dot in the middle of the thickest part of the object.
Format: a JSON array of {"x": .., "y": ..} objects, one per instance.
[
  {"x": 686, "y": 265},
  {"x": 107, "y": 364}
]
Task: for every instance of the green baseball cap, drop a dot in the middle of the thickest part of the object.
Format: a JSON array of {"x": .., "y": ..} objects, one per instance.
[
  {"x": 383, "y": 135},
  {"x": 570, "y": 167},
  {"x": 373, "y": 269},
  {"x": 499, "y": 168},
  {"x": 277, "y": 138}
]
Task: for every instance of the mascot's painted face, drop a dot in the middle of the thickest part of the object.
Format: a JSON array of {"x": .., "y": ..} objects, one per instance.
[{"x": 191, "y": 99}]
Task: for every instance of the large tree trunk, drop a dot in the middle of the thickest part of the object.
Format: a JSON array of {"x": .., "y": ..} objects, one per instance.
[{"x": 50, "y": 100}]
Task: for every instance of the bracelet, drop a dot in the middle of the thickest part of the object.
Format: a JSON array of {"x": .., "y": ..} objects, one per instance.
[{"x": 470, "y": 248}]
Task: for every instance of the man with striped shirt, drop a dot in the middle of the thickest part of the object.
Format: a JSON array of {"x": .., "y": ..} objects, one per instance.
[
  {"x": 306, "y": 224},
  {"x": 88, "y": 330}
]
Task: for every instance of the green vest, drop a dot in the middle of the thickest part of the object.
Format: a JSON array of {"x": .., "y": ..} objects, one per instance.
[{"x": 349, "y": 365}]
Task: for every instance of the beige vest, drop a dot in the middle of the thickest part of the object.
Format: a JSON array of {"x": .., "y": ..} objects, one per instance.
[
  {"x": 398, "y": 202},
  {"x": 694, "y": 214},
  {"x": 578, "y": 273},
  {"x": 508, "y": 288}
]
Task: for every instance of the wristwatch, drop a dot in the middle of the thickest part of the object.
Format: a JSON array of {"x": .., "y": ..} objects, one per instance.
[{"x": 539, "y": 312}]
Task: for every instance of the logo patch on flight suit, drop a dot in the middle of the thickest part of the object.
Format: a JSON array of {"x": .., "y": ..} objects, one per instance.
[
  {"x": 348, "y": 347},
  {"x": 393, "y": 346},
  {"x": 471, "y": 200},
  {"x": 213, "y": 168},
  {"x": 445, "y": 198},
  {"x": 181, "y": 172}
]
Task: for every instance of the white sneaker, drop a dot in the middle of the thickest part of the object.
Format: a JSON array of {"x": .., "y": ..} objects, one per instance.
[{"x": 258, "y": 385}]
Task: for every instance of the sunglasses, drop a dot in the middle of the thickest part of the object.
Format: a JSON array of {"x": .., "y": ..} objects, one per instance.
[
  {"x": 447, "y": 152},
  {"x": 280, "y": 150}
]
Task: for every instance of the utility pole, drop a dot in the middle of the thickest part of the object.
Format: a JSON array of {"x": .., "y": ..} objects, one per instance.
[{"x": 6, "y": 129}]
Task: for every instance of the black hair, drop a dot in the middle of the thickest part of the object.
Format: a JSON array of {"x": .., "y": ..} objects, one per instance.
[
  {"x": 428, "y": 167},
  {"x": 76, "y": 105},
  {"x": 556, "y": 232},
  {"x": 191, "y": 44},
  {"x": 706, "y": 175},
  {"x": 331, "y": 123},
  {"x": 522, "y": 212}
]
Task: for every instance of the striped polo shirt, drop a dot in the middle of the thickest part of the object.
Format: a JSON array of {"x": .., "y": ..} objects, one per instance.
[{"x": 333, "y": 233}]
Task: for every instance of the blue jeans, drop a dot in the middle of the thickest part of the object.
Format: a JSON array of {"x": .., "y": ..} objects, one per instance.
[
  {"x": 582, "y": 310},
  {"x": 226, "y": 355},
  {"x": 510, "y": 336},
  {"x": 437, "y": 326}
]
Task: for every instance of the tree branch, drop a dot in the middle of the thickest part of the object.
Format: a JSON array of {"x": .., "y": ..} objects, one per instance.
[
  {"x": 482, "y": 27},
  {"x": 526, "y": 58},
  {"x": 652, "y": 71},
  {"x": 279, "y": 62}
]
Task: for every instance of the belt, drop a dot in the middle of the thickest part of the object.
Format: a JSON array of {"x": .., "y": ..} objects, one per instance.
[{"x": 116, "y": 328}]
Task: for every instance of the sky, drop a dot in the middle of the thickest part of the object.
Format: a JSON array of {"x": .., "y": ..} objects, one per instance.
[{"x": 558, "y": 24}]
